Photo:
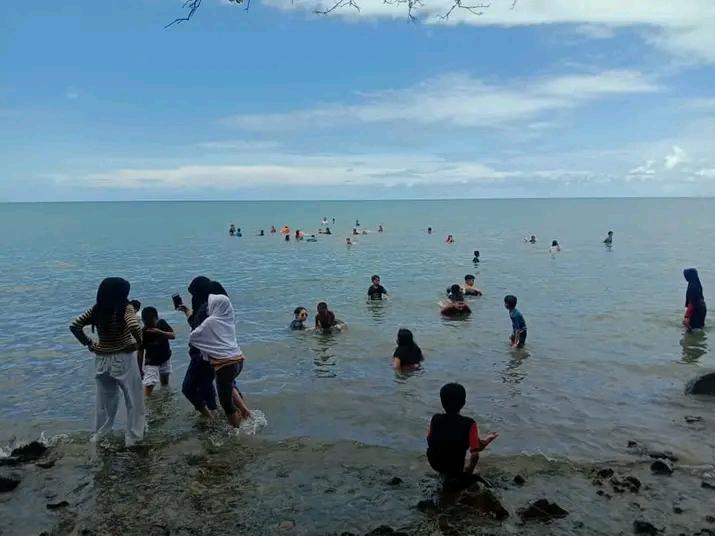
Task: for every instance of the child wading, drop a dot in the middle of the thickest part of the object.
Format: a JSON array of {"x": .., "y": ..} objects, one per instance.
[
  {"x": 518, "y": 324},
  {"x": 154, "y": 357},
  {"x": 449, "y": 438}
]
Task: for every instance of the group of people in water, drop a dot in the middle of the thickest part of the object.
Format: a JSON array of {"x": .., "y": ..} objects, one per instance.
[{"x": 133, "y": 357}]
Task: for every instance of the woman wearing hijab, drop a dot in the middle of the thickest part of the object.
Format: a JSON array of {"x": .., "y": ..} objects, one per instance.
[
  {"x": 215, "y": 337},
  {"x": 695, "y": 308},
  {"x": 198, "y": 385},
  {"x": 119, "y": 336}
]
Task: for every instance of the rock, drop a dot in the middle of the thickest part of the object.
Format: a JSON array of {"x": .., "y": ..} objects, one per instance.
[
  {"x": 702, "y": 385},
  {"x": 677, "y": 510},
  {"x": 663, "y": 455},
  {"x": 644, "y": 527},
  {"x": 426, "y": 505},
  {"x": 634, "y": 483},
  {"x": 707, "y": 485},
  {"x": 519, "y": 480},
  {"x": 629, "y": 483},
  {"x": 486, "y": 503},
  {"x": 632, "y": 444},
  {"x": 46, "y": 465},
  {"x": 394, "y": 481},
  {"x": 55, "y": 506},
  {"x": 692, "y": 418},
  {"x": 661, "y": 467},
  {"x": 385, "y": 530},
  {"x": 34, "y": 450},
  {"x": 710, "y": 519},
  {"x": 605, "y": 473},
  {"x": 542, "y": 510},
  {"x": 9, "y": 481}
]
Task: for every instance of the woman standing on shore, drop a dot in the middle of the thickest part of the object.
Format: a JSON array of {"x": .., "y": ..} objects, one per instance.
[
  {"x": 198, "y": 385},
  {"x": 695, "y": 308},
  {"x": 116, "y": 367}
]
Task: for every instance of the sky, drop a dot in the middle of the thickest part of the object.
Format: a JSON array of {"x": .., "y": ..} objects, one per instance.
[{"x": 533, "y": 98}]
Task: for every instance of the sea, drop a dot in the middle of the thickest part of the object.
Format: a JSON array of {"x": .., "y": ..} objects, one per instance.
[{"x": 606, "y": 359}]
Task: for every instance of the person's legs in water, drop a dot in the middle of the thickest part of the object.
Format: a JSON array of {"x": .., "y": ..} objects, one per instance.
[
  {"x": 107, "y": 404},
  {"x": 224, "y": 385},
  {"x": 238, "y": 399},
  {"x": 130, "y": 383},
  {"x": 164, "y": 372},
  {"x": 191, "y": 388},
  {"x": 206, "y": 385}
]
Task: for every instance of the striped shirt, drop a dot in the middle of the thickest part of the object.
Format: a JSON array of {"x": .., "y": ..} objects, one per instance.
[{"x": 113, "y": 339}]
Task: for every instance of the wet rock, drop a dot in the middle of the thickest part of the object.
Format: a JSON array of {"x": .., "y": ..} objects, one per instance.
[
  {"x": 57, "y": 505},
  {"x": 707, "y": 484},
  {"x": 702, "y": 385},
  {"x": 690, "y": 419},
  {"x": 644, "y": 527},
  {"x": 677, "y": 510},
  {"x": 629, "y": 483},
  {"x": 29, "y": 453},
  {"x": 710, "y": 519},
  {"x": 394, "y": 481},
  {"x": 426, "y": 505},
  {"x": 605, "y": 473},
  {"x": 385, "y": 530},
  {"x": 9, "y": 481},
  {"x": 519, "y": 480},
  {"x": 486, "y": 503},
  {"x": 663, "y": 455},
  {"x": 542, "y": 510},
  {"x": 661, "y": 467},
  {"x": 46, "y": 465},
  {"x": 705, "y": 532}
]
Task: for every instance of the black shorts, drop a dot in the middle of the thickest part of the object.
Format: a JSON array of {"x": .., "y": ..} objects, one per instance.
[
  {"x": 224, "y": 386},
  {"x": 522, "y": 339}
]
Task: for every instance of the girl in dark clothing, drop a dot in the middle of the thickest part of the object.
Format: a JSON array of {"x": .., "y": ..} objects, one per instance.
[
  {"x": 695, "y": 308},
  {"x": 325, "y": 320},
  {"x": 407, "y": 354},
  {"x": 198, "y": 385}
]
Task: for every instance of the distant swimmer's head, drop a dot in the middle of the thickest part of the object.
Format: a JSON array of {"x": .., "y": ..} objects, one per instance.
[
  {"x": 476, "y": 253},
  {"x": 301, "y": 313},
  {"x": 469, "y": 280},
  {"x": 610, "y": 233},
  {"x": 455, "y": 293},
  {"x": 554, "y": 243},
  {"x": 405, "y": 337},
  {"x": 150, "y": 316},
  {"x": 136, "y": 304},
  {"x": 375, "y": 280},
  {"x": 453, "y": 397},
  {"x": 510, "y": 301}
]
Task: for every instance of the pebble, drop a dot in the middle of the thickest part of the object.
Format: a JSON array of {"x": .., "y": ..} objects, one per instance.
[
  {"x": 9, "y": 481},
  {"x": 644, "y": 527},
  {"x": 662, "y": 467},
  {"x": 394, "y": 481},
  {"x": 57, "y": 505},
  {"x": 542, "y": 510},
  {"x": 519, "y": 480}
]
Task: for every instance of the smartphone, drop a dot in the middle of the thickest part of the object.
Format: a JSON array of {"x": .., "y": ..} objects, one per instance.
[{"x": 177, "y": 301}]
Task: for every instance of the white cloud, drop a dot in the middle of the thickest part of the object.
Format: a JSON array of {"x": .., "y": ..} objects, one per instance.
[
  {"x": 460, "y": 100},
  {"x": 240, "y": 145},
  {"x": 708, "y": 173},
  {"x": 685, "y": 28},
  {"x": 676, "y": 157}
]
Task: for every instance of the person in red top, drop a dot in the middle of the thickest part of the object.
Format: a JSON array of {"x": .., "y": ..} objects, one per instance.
[{"x": 449, "y": 438}]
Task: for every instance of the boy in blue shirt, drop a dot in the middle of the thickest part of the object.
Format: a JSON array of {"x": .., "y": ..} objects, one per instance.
[{"x": 518, "y": 324}]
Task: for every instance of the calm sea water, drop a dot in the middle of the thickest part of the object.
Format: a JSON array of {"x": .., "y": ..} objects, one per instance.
[{"x": 606, "y": 359}]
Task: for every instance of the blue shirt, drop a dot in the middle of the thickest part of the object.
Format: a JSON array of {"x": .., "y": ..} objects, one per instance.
[{"x": 517, "y": 320}]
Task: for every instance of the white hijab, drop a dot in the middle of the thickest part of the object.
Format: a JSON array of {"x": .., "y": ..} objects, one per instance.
[{"x": 216, "y": 336}]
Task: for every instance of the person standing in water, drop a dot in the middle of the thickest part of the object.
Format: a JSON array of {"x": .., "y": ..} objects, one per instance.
[
  {"x": 115, "y": 365},
  {"x": 531, "y": 240},
  {"x": 407, "y": 355},
  {"x": 475, "y": 260},
  {"x": 469, "y": 289},
  {"x": 232, "y": 230},
  {"x": 518, "y": 324},
  {"x": 155, "y": 356},
  {"x": 609, "y": 239},
  {"x": 450, "y": 239},
  {"x": 429, "y": 230},
  {"x": 376, "y": 290},
  {"x": 555, "y": 248},
  {"x": 695, "y": 308}
]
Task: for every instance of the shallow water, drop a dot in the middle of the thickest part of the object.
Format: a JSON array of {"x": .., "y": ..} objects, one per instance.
[{"x": 605, "y": 362}]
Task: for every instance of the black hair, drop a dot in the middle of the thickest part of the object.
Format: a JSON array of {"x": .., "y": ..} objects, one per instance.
[
  {"x": 148, "y": 313},
  {"x": 554, "y": 243},
  {"x": 469, "y": 277},
  {"x": 112, "y": 301},
  {"x": 610, "y": 232},
  {"x": 510, "y": 301},
  {"x": 136, "y": 304},
  {"x": 476, "y": 253},
  {"x": 322, "y": 306},
  {"x": 297, "y": 310},
  {"x": 374, "y": 277},
  {"x": 199, "y": 288},
  {"x": 455, "y": 293},
  {"x": 453, "y": 397},
  {"x": 405, "y": 337},
  {"x": 217, "y": 288}
]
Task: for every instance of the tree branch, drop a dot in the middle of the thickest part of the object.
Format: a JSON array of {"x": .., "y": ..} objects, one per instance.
[
  {"x": 337, "y": 5},
  {"x": 192, "y": 5}
]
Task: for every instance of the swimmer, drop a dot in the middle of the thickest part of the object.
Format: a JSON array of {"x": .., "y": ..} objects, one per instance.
[
  {"x": 287, "y": 238},
  {"x": 261, "y": 233},
  {"x": 299, "y": 234},
  {"x": 364, "y": 232},
  {"x": 311, "y": 238},
  {"x": 285, "y": 230},
  {"x": 555, "y": 248},
  {"x": 357, "y": 223},
  {"x": 238, "y": 232},
  {"x": 325, "y": 320},
  {"x": 380, "y": 229},
  {"x": 328, "y": 231},
  {"x": 531, "y": 240},
  {"x": 450, "y": 239},
  {"x": 348, "y": 242},
  {"x": 376, "y": 290},
  {"x": 429, "y": 230},
  {"x": 609, "y": 239},
  {"x": 407, "y": 355},
  {"x": 469, "y": 289},
  {"x": 301, "y": 316},
  {"x": 333, "y": 221},
  {"x": 232, "y": 230},
  {"x": 325, "y": 221},
  {"x": 475, "y": 260},
  {"x": 273, "y": 229},
  {"x": 355, "y": 232},
  {"x": 456, "y": 306}
]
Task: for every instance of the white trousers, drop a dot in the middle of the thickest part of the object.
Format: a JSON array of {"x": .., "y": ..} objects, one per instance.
[{"x": 115, "y": 373}]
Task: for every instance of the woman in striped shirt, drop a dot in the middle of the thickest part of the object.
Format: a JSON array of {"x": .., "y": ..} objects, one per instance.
[{"x": 119, "y": 336}]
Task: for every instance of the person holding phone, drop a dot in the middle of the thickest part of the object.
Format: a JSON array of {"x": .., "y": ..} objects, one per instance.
[{"x": 198, "y": 385}]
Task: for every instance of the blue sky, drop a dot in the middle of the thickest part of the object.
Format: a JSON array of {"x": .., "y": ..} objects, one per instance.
[{"x": 549, "y": 98}]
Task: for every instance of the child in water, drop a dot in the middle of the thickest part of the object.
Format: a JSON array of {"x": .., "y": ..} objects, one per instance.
[
  {"x": 449, "y": 438},
  {"x": 469, "y": 289},
  {"x": 475, "y": 260},
  {"x": 155, "y": 354},
  {"x": 609, "y": 239},
  {"x": 450, "y": 239},
  {"x": 376, "y": 290},
  {"x": 518, "y": 324},
  {"x": 555, "y": 248},
  {"x": 238, "y": 232},
  {"x": 456, "y": 306},
  {"x": 407, "y": 354},
  {"x": 325, "y": 320},
  {"x": 348, "y": 242},
  {"x": 301, "y": 316}
]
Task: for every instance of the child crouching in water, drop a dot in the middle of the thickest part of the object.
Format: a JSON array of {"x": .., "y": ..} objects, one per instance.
[
  {"x": 154, "y": 357},
  {"x": 449, "y": 438},
  {"x": 407, "y": 356}
]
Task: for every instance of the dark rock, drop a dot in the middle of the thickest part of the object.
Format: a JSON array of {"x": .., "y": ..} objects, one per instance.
[
  {"x": 578, "y": 524},
  {"x": 605, "y": 473},
  {"x": 677, "y": 510},
  {"x": 707, "y": 485},
  {"x": 661, "y": 467},
  {"x": 486, "y": 503},
  {"x": 542, "y": 510},
  {"x": 644, "y": 527},
  {"x": 710, "y": 519},
  {"x": 31, "y": 452},
  {"x": 385, "y": 530},
  {"x": 692, "y": 418},
  {"x": 629, "y": 483},
  {"x": 426, "y": 505},
  {"x": 705, "y": 532},
  {"x": 55, "y": 506},
  {"x": 519, "y": 480},
  {"x": 394, "y": 481},
  {"x": 663, "y": 455},
  {"x": 46, "y": 465},
  {"x": 702, "y": 385},
  {"x": 8, "y": 482},
  {"x": 632, "y": 444},
  {"x": 600, "y": 492},
  {"x": 634, "y": 483}
]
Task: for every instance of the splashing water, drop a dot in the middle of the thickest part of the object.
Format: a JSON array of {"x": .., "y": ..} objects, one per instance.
[{"x": 251, "y": 426}]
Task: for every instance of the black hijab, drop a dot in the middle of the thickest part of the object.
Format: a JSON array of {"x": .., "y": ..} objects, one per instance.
[
  {"x": 112, "y": 301},
  {"x": 200, "y": 288},
  {"x": 217, "y": 288},
  {"x": 694, "y": 294}
]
